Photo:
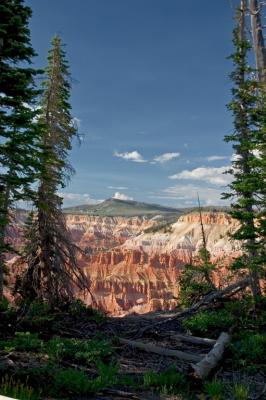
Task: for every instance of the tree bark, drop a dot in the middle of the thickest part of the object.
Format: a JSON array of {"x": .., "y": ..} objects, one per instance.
[
  {"x": 258, "y": 40},
  {"x": 210, "y": 361}
]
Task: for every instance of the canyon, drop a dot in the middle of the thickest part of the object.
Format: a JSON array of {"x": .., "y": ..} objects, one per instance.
[{"x": 133, "y": 263}]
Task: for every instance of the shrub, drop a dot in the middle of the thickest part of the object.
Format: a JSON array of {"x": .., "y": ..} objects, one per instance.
[
  {"x": 70, "y": 381},
  {"x": 209, "y": 322},
  {"x": 4, "y": 304},
  {"x": 86, "y": 351},
  {"x": 193, "y": 285},
  {"x": 78, "y": 309},
  {"x": 38, "y": 315},
  {"x": 249, "y": 351},
  {"x": 246, "y": 316},
  {"x": 23, "y": 341}
]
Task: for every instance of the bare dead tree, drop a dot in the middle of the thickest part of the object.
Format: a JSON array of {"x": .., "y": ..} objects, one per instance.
[{"x": 255, "y": 8}]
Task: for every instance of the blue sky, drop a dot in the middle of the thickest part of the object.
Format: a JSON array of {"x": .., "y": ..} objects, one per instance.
[{"x": 150, "y": 88}]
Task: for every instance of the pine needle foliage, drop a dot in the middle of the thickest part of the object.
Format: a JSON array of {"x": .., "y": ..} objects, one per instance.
[
  {"x": 19, "y": 136},
  {"x": 50, "y": 254},
  {"x": 248, "y": 181}
]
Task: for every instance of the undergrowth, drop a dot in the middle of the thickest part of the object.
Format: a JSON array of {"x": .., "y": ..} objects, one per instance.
[{"x": 11, "y": 387}]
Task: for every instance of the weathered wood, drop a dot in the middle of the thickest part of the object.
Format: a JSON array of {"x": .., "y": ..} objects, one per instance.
[
  {"x": 163, "y": 351},
  {"x": 122, "y": 393},
  {"x": 258, "y": 39},
  {"x": 192, "y": 339},
  {"x": 229, "y": 291},
  {"x": 210, "y": 361}
]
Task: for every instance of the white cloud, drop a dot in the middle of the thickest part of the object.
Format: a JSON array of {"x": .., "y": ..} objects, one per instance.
[
  {"x": 186, "y": 195},
  {"x": 75, "y": 199},
  {"x": 166, "y": 157},
  {"x": 216, "y": 158},
  {"x": 211, "y": 175},
  {"x": 121, "y": 196},
  {"x": 131, "y": 156},
  {"x": 117, "y": 187}
]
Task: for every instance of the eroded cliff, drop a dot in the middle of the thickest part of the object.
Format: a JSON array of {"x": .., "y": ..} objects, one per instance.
[{"x": 142, "y": 274}]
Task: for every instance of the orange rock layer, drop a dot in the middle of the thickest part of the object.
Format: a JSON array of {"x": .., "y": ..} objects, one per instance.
[
  {"x": 133, "y": 271},
  {"x": 142, "y": 274}
]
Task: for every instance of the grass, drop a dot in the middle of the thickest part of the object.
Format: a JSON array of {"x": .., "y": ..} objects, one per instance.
[
  {"x": 240, "y": 392},
  {"x": 214, "y": 389},
  {"x": 14, "y": 388},
  {"x": 167, "y": 382},
  {"x": 71, "y": 368}
]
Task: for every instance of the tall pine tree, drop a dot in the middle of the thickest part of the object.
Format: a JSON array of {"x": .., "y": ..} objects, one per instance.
[
  {"x": 50, "y": 254},
  {"x": 247, "y": 174},
  {"x": 18, "y": 134}
]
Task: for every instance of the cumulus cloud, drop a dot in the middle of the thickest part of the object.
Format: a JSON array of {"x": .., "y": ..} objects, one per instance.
[
  {"x": 75, "y": 199},
  {"x": 166, "y": 157},
  {"x": 131, "y": 156},
  {"x": 211, "y": 175},
  {"x": 216, "y": 158},
  {"x": 186, "y": 195},
  {"x": 121, "y": 196}
]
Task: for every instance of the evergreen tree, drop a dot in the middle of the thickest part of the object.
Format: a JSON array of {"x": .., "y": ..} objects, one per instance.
[
  {"x": 18, "y": 135},
  {"x": 246, "y": 168},
  {"x": 49, "y": 254}
]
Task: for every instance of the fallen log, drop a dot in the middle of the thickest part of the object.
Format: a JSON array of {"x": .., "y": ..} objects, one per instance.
[
  {"x": 192, "y": 339},
  {"x": 163, "y": 351},
  {"x": 229, "y": 291},
  {"x": 122, "y": 393},
  {"x": 202, "y": 369}
]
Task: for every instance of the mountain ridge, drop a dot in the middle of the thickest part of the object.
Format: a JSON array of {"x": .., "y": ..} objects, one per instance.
[{"x": 130, "y": 208}]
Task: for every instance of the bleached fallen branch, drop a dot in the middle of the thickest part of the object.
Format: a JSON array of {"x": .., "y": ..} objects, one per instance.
[
  {"x": 163, "y": 351},
  {"x": 210, "y": 361},
  {"x": 229, "y": 291},
  {"x": 192, "y": 339}
]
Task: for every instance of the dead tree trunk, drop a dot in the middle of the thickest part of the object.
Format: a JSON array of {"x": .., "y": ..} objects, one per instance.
[
  {"x": 258, "y": 39},
  {"x": 210, "y": 361}
]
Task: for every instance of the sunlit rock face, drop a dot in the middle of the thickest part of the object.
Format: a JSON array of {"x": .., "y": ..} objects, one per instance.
[
  {"x": 142, "y": 273},
  {"x": 133, "y": 271}
]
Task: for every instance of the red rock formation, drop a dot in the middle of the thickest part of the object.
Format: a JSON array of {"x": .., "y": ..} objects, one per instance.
[
  {"x": 131, "y": 271},
  {"x": 142, "y": 274}
]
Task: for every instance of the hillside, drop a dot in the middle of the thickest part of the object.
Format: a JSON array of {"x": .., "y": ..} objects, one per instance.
[
  {"x": 129, "y": 208},
  {"x": 122, "y": 208}
]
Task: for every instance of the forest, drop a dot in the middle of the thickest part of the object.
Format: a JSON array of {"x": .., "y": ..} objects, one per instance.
[{"x": 52, "y": 344}]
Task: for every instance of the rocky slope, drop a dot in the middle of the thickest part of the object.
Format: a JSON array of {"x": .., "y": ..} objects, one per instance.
[
  {"x": 99, "y": 233},
  {"x": 141, "y": 275},
  {"x": 134, "y": 263}
]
